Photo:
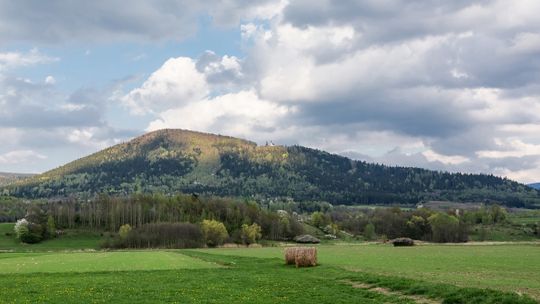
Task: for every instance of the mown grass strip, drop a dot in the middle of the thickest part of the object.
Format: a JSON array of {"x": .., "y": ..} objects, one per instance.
[{"x": 448, "y": 293}]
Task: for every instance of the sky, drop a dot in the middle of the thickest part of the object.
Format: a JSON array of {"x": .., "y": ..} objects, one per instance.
[{"x": 443, "y": 85}]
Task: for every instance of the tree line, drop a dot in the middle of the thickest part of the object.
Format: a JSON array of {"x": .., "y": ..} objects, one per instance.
[
  {"x": 107, "y": 213},
  {"x": 419, "y": 224},
  {"x": 184, "y": 221}
]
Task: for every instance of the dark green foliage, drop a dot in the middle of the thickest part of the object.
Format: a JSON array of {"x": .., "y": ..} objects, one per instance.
[
  {"x": 37, "y": 228},
  {"x": 34, "y": 235},
  {"x": 12, "y": 209},
  {"x": 172, "y": 161},
  {"x": 160, "y": 235},
  {"x": 419, "y": 224}
]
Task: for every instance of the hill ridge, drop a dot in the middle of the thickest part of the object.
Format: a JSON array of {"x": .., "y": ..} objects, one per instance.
[
  {"x": 175, "y": 160},
  {"x": 534, "y": 186}
]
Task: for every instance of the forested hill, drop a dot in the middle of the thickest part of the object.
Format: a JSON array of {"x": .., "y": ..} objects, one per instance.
[
  {"x": 535, "y": 186},
  {"x": 7, "y": 178},
  {"x": 169, "y": 161}
]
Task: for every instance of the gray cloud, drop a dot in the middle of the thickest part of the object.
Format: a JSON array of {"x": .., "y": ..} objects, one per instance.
[
  {"x": 436, "y": 84},
  {"x": 61, "y": 21},
  {"x": 221, "y": 72},
  {"x": 36, "y": 105}
]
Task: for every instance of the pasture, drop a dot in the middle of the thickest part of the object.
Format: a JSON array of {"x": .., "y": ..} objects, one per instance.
[
  {"x": 501, "y": 267},
  {"x": 347, "y": 274}
]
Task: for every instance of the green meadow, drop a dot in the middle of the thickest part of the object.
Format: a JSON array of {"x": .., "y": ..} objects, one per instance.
[
  {"x": 72, "y": 269},
  {"x": 72, "y": 240},
  {"x": 501, "y": 267},
  {"x": 346, "y": 274}
]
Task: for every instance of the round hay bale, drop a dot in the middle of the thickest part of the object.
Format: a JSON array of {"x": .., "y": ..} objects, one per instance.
[
  {"x": 306, "y": 257},
  {"x": 290, "y": 255}
]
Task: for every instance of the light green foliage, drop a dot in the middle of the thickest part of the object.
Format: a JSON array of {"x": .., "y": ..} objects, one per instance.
[
  {"x": 445, "y": 228},
  {"x": 416, "y": 225},
  {"x": 250, "y": 234},
  {"x": 319, "y": 219},
  {"x": 51, "y": 227},
  {"x": 331, "y": 228},
  {"x": 214, "y": 232},
  {"x": 499, "y": 214},
  {"x": 369, "y": 232},
  {"x": 284, "y": 226},
  {"x": 124, "y": 231}
]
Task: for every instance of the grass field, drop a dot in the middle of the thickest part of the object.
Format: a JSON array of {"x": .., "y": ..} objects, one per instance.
[
  {"x": 504, "y": 267},
  {"x": 98, "y": 261},
  {"x": 57, "y": 271},
  {"x": 347, "y": 274},
  {"x": 72, "y": 240}
]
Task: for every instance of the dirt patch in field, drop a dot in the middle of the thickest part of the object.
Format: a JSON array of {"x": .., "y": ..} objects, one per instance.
[{"x": 388, "y": 292}]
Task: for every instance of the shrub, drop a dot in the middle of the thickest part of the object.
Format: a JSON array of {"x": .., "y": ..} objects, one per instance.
[
  {"x": 21, "y": 228},
  {"x": 28, "y": 232},
  {"x": 214, "y": 232},
  {"x": 34, "y": 235},
  {"x": 369, "y": 232},
  {"x": 319, "y": 219},
  {"x": 35, "y": 215},
  {"x": 445, "y": 228},
  {"x": 124, "y": 231},
  {"x": 250, "y": 233}
]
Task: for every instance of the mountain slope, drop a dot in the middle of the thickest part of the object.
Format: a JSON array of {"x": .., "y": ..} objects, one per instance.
[
  {"x": 7, "y": 178},
  {"x": 535, "y": 186},
  {"x": 171, "y": 161}
]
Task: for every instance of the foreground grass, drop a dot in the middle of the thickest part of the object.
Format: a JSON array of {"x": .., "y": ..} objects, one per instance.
[
  {"x": 501, "y": 267},
  {"x": 239, "y": 280}
]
